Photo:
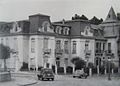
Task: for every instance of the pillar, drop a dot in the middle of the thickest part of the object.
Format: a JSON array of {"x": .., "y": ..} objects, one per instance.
[
  {"x": 64, "y": 69},
  {"x": 56, "y": 69},
  {"x": 112, "y": 71},
  {"x": 90, "y": 71},
  {"x": 73, "y": 68},
  {"x": 105, "y": 71},
  {"x": 98, "y": 71}
]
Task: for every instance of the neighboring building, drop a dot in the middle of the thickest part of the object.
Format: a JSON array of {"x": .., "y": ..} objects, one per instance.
[{"x": 40, "y": 43}]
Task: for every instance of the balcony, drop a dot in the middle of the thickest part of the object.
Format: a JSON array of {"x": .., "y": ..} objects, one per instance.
[
  {"x": 87, "y": 52},
  {"x": 47, "y": 51},
  {"x": 99, "y": 52},
  {"x": 58, "y": 51}
]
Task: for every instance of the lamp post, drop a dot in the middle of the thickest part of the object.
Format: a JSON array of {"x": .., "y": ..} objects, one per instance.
[{"x": 109, "y": 61}]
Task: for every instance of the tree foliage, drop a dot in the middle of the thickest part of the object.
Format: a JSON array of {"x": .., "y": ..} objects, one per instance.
[
  {"x": 78, "y": 62},
  {"x": 96, "y": 21},
  {"x": 76, "y": 16},
  {"x": 4, "y": 52}
]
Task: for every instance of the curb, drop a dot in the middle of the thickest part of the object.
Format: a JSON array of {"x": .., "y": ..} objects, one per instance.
[{"x": 27, "y": 84}]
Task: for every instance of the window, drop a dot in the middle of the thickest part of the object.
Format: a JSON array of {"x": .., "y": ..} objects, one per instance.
[
  {"x": 86, "y": 46},
  {"x": 86, "y": 32},
  {"x": 7, "y": 42},
  {"x": 97, "y": 44},
  {"x": 45, "y": 43},
  {"x": 66, "y": 47},
  {"x": 45, "y": 27},
  {"x": 58, "y": 62},
  {"x": 98, "y": 47},
  {"x": 109, "y": 47},
  {"x": 1, "y": 40},
  {"x": 58, "y": 44},
  {"x": 109, "y": 16},
  {"x": 103, "y": 46},
  {"x": 58, "y": 29},
  {"x": 33, "y": 45},
  {"x": 16, "y": 44},
  {"x": 74, "y": 47}
]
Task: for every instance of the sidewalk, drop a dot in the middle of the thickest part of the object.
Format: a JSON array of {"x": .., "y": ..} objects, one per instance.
[{"x": 19, "y": 81}]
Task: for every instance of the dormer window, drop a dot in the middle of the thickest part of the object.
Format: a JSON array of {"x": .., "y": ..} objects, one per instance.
[
  {"x": 109, "y": 16},
  {"x": 58, "y": 29},
  {"x": 86, "y": 32},
  {"x": 16, "y": 28},
  {"x": 46, "y": 26}
]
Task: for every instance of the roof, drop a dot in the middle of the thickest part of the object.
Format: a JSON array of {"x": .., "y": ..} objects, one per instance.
[
  {"x": 111, "y": 17},
  {"x": 56, "y": 24},
  {"x": 39, "y": 15}
]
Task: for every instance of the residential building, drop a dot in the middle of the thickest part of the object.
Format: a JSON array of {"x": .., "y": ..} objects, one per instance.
[{"x": 41, "y": 43}]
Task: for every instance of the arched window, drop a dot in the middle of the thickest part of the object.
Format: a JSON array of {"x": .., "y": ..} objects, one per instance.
[
  {"x": 58, "y": 29},
  {"x": 45, "y": 26}
]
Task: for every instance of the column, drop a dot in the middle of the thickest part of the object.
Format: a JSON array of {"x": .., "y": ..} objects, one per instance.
[
  {"x": 64, "y": 68},
  {"x": 73, "y": 68}
]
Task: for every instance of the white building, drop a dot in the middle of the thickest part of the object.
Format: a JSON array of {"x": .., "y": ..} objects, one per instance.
[{"x": 40, "y": 43}]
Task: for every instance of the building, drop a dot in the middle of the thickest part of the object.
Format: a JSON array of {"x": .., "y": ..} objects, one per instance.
[{"x": 41, "y": 43}]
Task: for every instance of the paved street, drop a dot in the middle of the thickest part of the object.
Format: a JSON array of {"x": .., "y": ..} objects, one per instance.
[
  {"x": 69, "y": 81},
  {"x": 64, "y": 80}
]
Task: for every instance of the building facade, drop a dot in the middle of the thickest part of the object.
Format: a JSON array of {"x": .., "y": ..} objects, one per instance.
[{"x": 41, "y": 43}]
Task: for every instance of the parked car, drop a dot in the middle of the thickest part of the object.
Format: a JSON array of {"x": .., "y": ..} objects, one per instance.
[
  {"x": 46, "y": 73},
  {"x": 80, "y": 74}
]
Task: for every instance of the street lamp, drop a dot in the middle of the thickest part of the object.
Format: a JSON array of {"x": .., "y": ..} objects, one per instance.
[{"x": 109, "y": 60}]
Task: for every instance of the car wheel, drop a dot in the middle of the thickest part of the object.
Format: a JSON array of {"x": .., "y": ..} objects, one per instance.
[
  {"x": 85, "y": 77},
  {"x": 52, "y": 79},
  {"x": 73, "y": 76},
  {"x": 42, "y": 79}
]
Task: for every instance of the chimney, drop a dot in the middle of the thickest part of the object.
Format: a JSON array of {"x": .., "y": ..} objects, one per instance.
[{"x": 63, "y": 21}]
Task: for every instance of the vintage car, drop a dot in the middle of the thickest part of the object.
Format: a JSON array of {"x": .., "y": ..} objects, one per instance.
[
  {"x": 80, "y": 74},
  {"x": 46, "y": 73}
]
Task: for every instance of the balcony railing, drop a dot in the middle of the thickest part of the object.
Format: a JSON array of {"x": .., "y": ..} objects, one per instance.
[
  {"x": 99, "y": 52},
  {"x": 47, "y": 51},
  {"x": 87, "y": 52},
  {"x": 59, "y": 51}
]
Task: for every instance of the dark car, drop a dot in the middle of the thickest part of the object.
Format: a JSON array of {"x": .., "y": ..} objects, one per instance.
[
  {"x": 46, "y": 73},
  {"x": 80, "y": 74}
]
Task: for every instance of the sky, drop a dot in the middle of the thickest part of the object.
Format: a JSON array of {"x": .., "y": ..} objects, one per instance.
[{"x": 14, "y": 10}]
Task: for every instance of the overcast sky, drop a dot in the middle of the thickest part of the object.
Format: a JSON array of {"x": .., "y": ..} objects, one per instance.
[{"x": 13, "y": 10}]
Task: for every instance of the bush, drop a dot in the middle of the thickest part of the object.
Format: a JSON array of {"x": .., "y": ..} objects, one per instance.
[
  {"x": 90, "y": 65},
  {"x": 69, "y": 70},
  {"x": 78, "y": 62},
  {"x": 60, "y": 70},
  {"x": 86, "y": 70},
  {"x": 39, "y": 68},
  {"x": 116, "y": 70},
  {"x": 53, "y": 68},
  {"x": 94, "y": 70},
  {"x": 24, "y": 67},
  {"x": 102, "y": 69}
]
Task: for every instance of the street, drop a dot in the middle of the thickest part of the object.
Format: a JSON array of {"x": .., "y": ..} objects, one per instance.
[
  {"x": 62, "y": 80},
  {"x": 69, "y": 81}
]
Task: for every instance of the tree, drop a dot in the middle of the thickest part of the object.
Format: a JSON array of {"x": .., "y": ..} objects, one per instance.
[
  {"x": 78, "y": 62},
  {"x": 96, "y": 21},
  {"x": 4, "y": 54},
  {"x": 83, "y": 17}
]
